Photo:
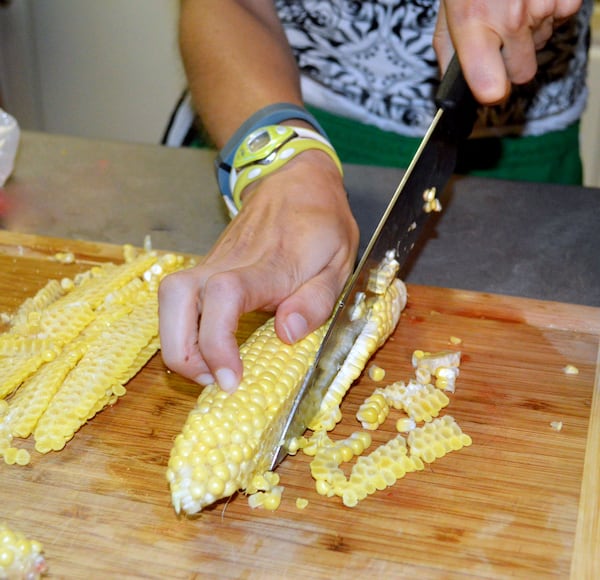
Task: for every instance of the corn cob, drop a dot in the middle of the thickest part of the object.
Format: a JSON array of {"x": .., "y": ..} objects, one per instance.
[{"x": 227, "y": 440}]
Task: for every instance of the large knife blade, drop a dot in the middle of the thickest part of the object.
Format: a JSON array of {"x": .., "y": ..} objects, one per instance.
[{"x": 398, "y": 229}]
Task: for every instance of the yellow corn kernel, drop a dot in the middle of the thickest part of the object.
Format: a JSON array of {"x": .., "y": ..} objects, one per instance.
[
  {"x": 374, "y": 411},
  {"x": 423, "y": 375},
  {"x": 64, "y": 257},
  {"x": 301, "y": 503},
  {"x": 455, "y": 340},
  {"x": 20, "y": 557},
  {"x": 376, "y": 373},
  {"x": 405, "y": 424},
  {"x": 570, "y": 370}
]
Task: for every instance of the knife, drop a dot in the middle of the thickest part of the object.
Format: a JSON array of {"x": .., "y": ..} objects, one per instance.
[{"x": 399, "y": 227}]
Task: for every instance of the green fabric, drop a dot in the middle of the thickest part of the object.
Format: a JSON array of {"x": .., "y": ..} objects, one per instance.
[{"x": 552, "y": 158}]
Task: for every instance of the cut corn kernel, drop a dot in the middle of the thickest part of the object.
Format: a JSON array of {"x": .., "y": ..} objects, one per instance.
[
  {"x": 374, "y": 411},
  {"x": 382, "y": 276},
  {"x": 70, "y": 349},
  {"x": 570, "y": 370},
  {"x": 405, "y": 424},
  {"x": 20, "y": 557},
  {"x": 376, "y": 373},
  {"x": 437, "y": 438},
  {"x": 443, "y": 366},
  {"x": 301, "y": 503}
]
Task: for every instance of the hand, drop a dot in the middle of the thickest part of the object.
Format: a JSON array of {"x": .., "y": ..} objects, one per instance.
[
  {"x": 289, "y": 250},
  {"x": 496, "y": 40}
]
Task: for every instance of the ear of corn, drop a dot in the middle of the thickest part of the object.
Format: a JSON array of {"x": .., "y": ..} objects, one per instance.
[{"x": 227, "y": 439}]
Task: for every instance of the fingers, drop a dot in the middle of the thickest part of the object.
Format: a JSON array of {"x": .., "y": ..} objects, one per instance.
[
  {"x": 308, "y": 308},
  {"x": 227, "y": 296},
  {"x": 178, "y": 316},
  {"x": 496, "y": 42}
]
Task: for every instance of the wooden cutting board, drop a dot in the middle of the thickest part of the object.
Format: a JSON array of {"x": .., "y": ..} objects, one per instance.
[{"x": 522, "y": 501}]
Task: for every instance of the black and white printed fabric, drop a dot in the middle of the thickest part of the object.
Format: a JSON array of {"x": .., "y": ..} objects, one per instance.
[{"x": 374, "y": 62}]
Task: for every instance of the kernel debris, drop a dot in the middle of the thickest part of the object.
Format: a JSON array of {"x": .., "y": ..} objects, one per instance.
[{"x": 20, "y": 557}]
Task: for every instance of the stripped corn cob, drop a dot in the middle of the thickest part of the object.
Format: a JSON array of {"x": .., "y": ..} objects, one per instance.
[
  {"x": 383, "y": 315},
  {"x": 20, "y": 558},
  {"x": 227, "y": 440}
]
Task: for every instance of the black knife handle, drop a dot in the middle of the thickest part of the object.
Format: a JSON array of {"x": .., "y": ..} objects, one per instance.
[{"x": 456, "y": 99}]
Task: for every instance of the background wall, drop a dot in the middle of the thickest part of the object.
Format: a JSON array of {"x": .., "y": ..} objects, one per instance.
[{"x": 108, "y": 69}]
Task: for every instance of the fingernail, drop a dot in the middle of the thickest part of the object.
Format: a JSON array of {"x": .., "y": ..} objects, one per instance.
[
  {"x": 295, "y": 327},
  {"x": 227, "y": 380},
  {"x": 205, "y": 379}
]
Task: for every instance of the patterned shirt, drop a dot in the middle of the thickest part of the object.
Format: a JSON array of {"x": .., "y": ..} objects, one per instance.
[{"x": 374, "y": 62}]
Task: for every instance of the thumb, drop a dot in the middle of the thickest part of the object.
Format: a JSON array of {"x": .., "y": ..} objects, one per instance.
[{"x": 306, "y": 309}]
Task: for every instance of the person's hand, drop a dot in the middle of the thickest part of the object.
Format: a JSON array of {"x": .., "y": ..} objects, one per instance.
[
  {"x": 496, "y": 40},
  {"x": 290, "y": 250}
]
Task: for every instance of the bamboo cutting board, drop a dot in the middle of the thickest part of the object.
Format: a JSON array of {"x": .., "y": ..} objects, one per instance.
[{"x": 522, "y": 501}]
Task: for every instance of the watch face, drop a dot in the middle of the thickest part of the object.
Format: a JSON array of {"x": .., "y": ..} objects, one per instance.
[{"x": 258, "y": 142}]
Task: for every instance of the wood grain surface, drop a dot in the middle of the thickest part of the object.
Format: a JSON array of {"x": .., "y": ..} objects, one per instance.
[{"x": 522, "y": 501}]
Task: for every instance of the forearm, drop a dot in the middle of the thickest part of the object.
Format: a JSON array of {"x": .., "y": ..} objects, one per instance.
[{"x": 237, "y": 60}]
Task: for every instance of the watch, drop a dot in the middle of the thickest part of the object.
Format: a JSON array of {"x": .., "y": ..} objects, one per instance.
[
  {"x": 266, "y": 150},
  {"x": 269, "y": 115}
]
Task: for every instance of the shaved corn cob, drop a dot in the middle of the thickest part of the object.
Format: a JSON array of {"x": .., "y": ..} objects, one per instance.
[
  {"x": 383, "y": 315},
  {"x": 227, "y": 439},
  {"x": 20, "y": 557}
]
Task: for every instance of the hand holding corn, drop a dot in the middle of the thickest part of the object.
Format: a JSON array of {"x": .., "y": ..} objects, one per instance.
[{"x": 290, "y": 253}]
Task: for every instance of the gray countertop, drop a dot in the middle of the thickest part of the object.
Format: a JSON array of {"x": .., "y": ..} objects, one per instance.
[{"x": 522, "y": 239}]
